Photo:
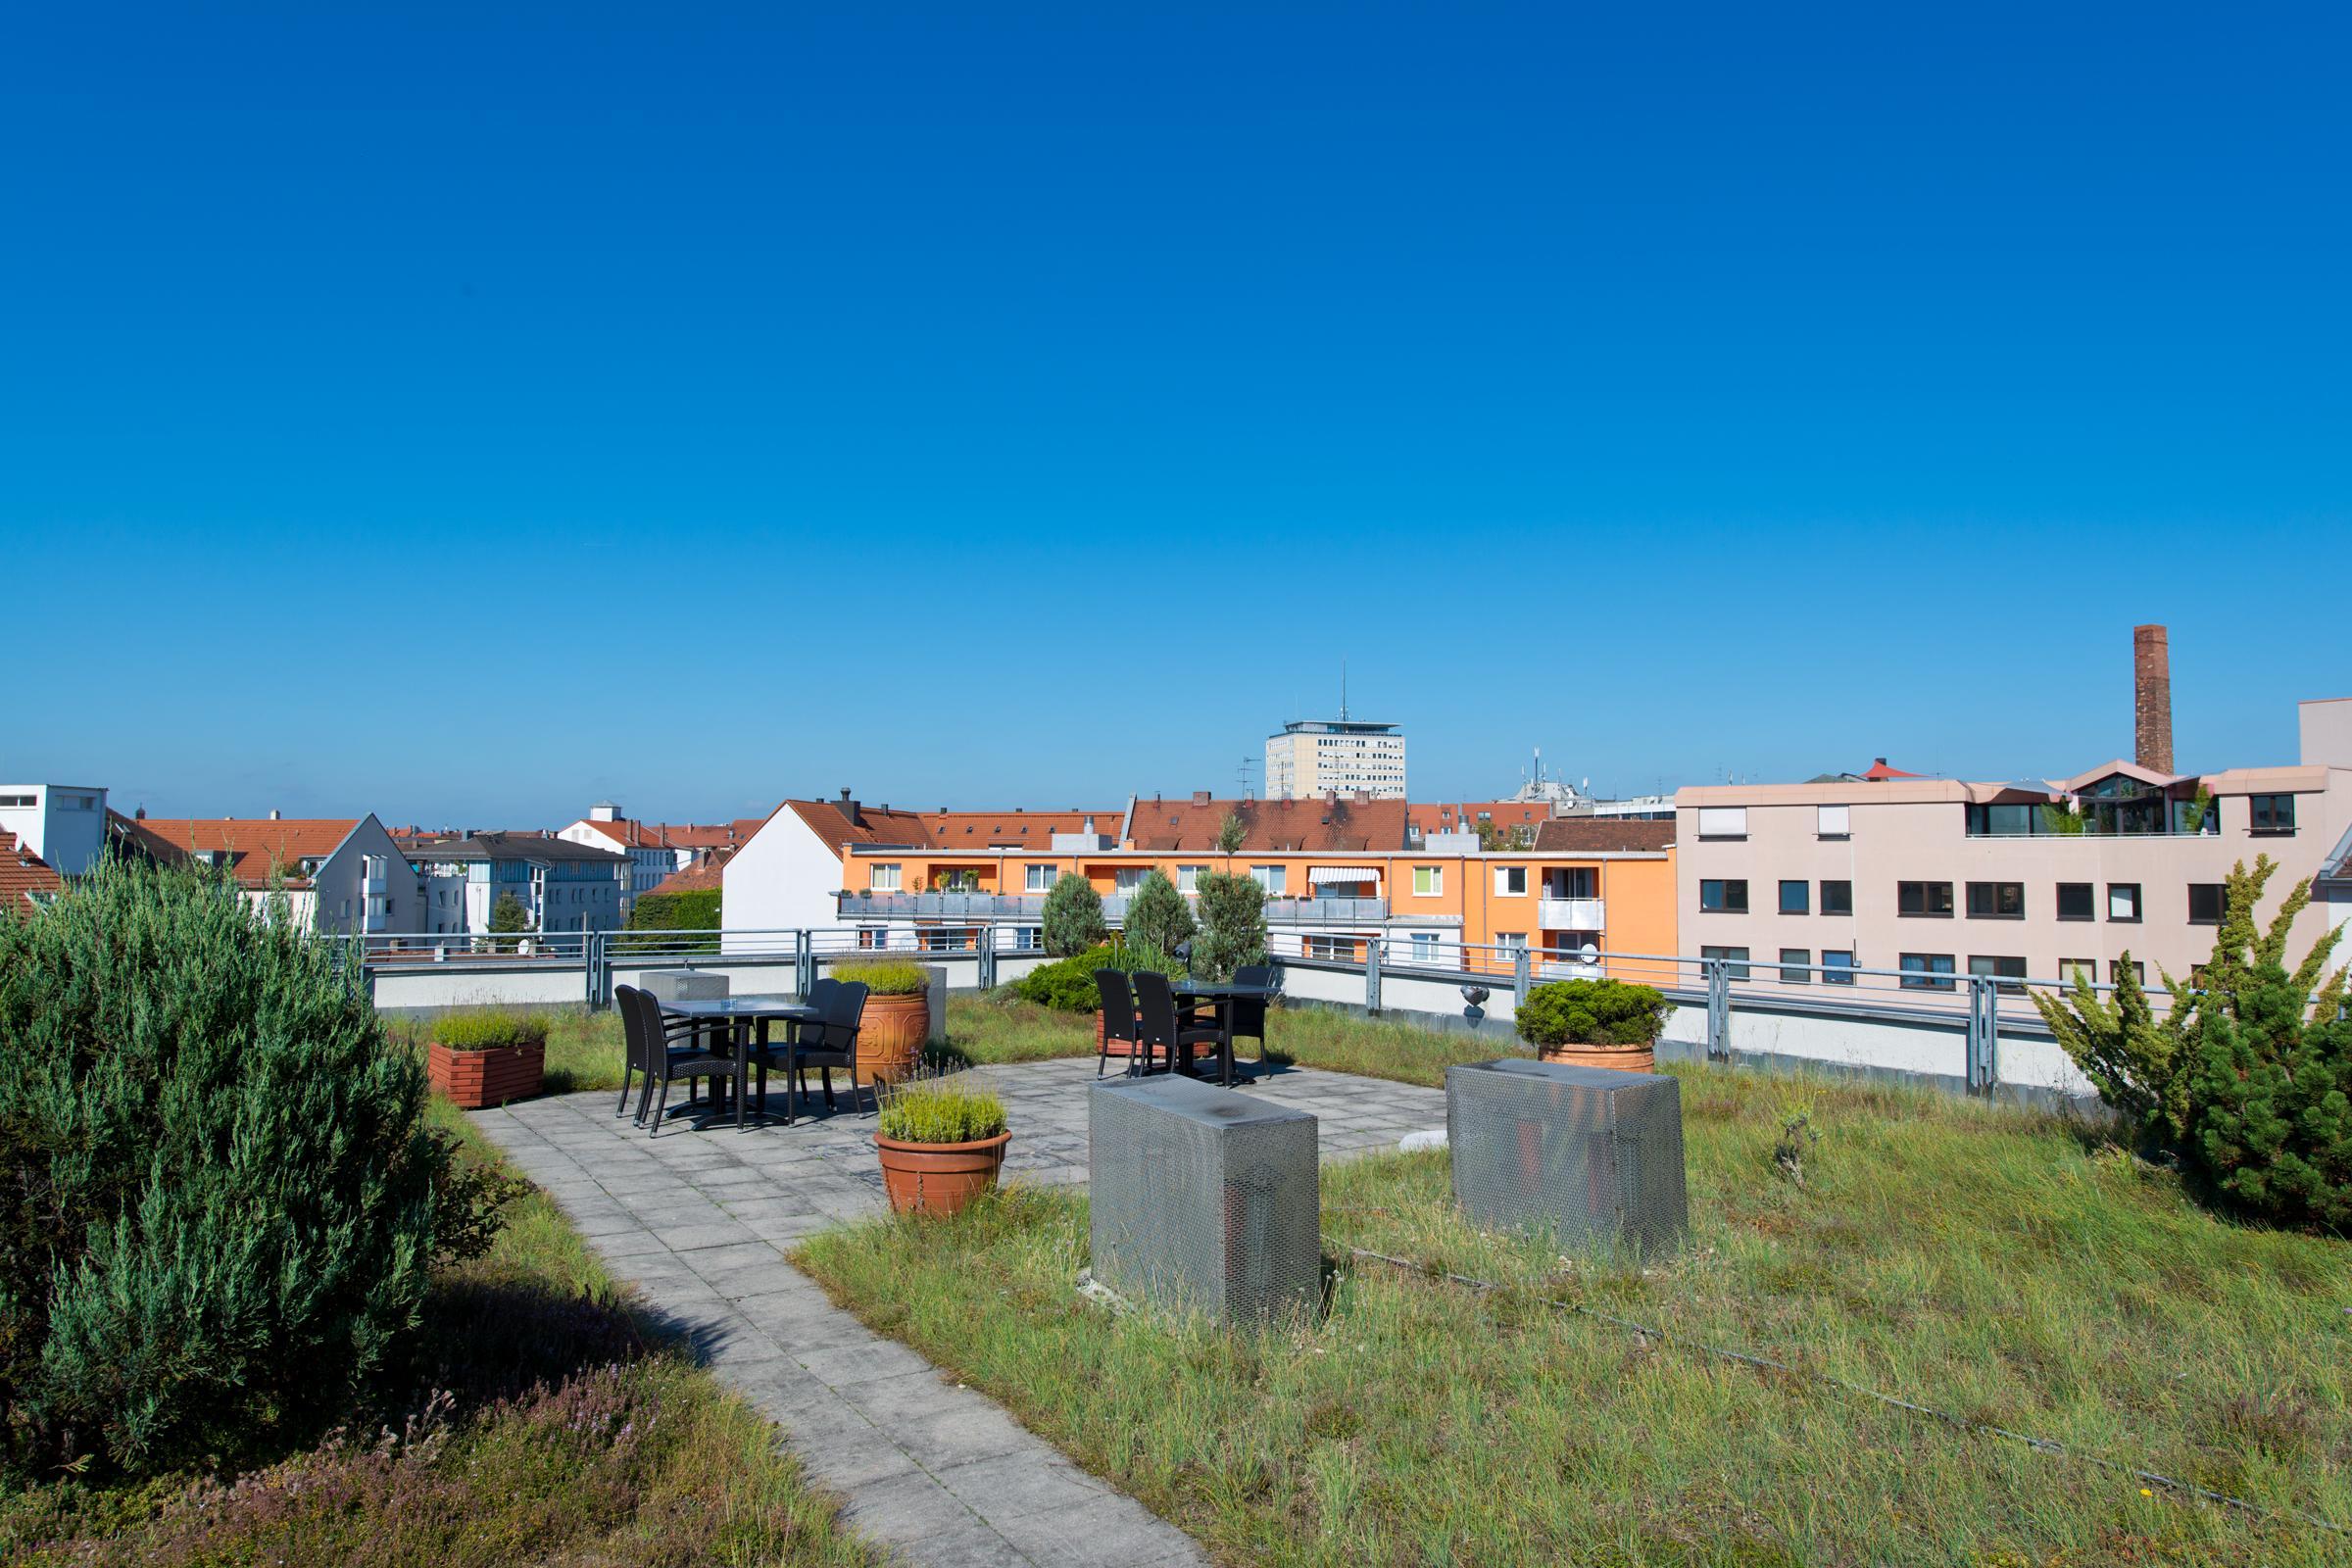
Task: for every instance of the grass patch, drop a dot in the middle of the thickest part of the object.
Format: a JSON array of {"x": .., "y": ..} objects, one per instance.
[
  {"x": 1982, "y": 1261},
  {"x": 538, "y": 1425}
]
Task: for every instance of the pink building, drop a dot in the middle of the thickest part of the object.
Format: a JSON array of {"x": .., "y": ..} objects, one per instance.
[{"x": 1936, "y": 878}]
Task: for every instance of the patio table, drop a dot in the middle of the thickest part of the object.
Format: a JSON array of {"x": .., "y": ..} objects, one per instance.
[
  {"x": 741, "y": 1015},
  {"x": 1219, "y": 996}
]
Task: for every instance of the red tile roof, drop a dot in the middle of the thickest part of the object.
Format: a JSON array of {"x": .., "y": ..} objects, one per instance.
[
  {"x": 1589, "y": 835},
  {"x": 703, "y": 875},
  {"x": 632, "y": 834},
  {"x": 875, "y": 825},
  {"x": 23, "y": 875},
  {"x": 1024, "y": 830},
  {"x": 256, "y": 846},
  {"x": 1270, "y": 825}
]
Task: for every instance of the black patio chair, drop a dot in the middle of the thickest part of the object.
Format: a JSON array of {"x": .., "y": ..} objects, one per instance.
[
  {"x": 674, "y": 1061},
  {"x": 1120, "y": 1035},
  {"x": 769, "y": 1052},
  {"x": 831, "y": 1043},
  {"x": 1250, "y": 1012},
  {"x": 1161, "y": 1028},
  {"x": 636, "y": 1054}
]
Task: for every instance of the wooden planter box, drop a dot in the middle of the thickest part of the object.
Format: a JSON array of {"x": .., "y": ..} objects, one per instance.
[{"x": 473, "y": 1079}]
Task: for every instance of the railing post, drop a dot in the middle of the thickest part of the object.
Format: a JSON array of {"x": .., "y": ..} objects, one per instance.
[
  {"x": 1719, "y": 1009},
  {"x": 592, "y": 945},
  {"x": 1523, "y": 971},
  {"x": 1983, "y": 1033},
  {"x": 987, "y": 946},
  {"x": 1372, "y": 974},
  {"x": 803, "y": 964}
]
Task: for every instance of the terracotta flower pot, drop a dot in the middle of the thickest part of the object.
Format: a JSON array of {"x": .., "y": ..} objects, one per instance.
[
  {"x": 1643, "y": 1058},
  {"x": 939, "y": 1178},
  {"x": 473, "y": 1079},
  {"x": 891, "y": 1035},
  {"x": 1098, "y": 1034}
]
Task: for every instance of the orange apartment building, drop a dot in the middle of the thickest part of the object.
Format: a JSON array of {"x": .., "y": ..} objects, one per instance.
[{"x": 1338, "y": 872}]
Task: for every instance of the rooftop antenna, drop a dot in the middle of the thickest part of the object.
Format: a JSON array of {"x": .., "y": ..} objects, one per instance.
[
  {"x": 1343, "y": 691},
  {"x": 1242, "y": 773}
]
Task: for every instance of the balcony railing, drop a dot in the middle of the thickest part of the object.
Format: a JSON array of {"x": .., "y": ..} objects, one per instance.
[
  {"x": 1326, "y": 911},
  {"x": 1571, "y": 915},
  {"x": 944, "y": 906}
]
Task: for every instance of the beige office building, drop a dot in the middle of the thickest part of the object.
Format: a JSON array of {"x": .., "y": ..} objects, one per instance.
[
  {"x": 1314, "y": 756},
  {"x": 1938, "y": 878}
]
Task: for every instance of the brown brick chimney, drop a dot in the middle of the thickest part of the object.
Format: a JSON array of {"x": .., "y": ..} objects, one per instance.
[{"x": 2151, "y": 699}]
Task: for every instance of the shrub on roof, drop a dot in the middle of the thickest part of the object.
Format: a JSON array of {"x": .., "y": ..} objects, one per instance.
[
  {"x": 1157, "y": 917},
  {"x": 1592, "y": 1013},
  {"x": 1067, "y": 985},
  {"x": 218, "y": 1198},
  {"x": 1073, "y": 916}
]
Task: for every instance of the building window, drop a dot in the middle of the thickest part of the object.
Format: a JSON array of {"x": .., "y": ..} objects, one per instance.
[
  {"x": 1797, "y": 964},
  {"x": 1723, "y": 821},
  {"x": 1923, "y": 898},
  {"x": 1510, "y": 881},
  {"x": 2205, "y": 899},
  {"x": 2004, "y": 969},
  {"x": 1038, "y": 878},
  {"x": 1996, "y": 900},
  {"x": 2075, "y": 900},
  {"x": 1429, "y": 881},
  {"x": 2271, "y": 813},
  {"x": 2122, "y": 901},
  {"x": 1272, "y": 878},
  {"x": 1425, "y": 947},
  {"x": 883, "y": 879},
  {"x": 1837, "y": 966},
  {"x": 1028, "y": 938},
  {"x": 2115, "y": 972},
  {"x": 2070, "y": 970},
  {"x": 1920, "y": 970},
  {"x": 1127, "y": 878},
  {"x": 1797, "y": 897},
  {"x": 1833, "y": 822},
  {"x": 1719, "y": 897},
  {"x": 873, "y": 936},
  {"x": 1735, "y": 960},
  {"x": 1836, "y": 898},
  {"x": 1188, "y": 878},
  {"x": 1339, "y": 949}
]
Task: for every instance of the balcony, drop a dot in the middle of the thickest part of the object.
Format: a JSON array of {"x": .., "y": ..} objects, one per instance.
[
  {"x": 1326, "y": 911},
  {"x": 1571, "y": 915},
  {"x": 966, "y": 906}
]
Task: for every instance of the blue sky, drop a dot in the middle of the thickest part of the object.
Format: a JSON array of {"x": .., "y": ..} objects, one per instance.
[{"x": 463, "y": 414}]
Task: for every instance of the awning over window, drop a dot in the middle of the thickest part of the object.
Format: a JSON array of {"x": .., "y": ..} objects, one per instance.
[{"x": 1342, "y": 873}]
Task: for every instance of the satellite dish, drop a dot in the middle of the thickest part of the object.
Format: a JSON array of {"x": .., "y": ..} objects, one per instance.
[{"x": 1588, "y": 953}]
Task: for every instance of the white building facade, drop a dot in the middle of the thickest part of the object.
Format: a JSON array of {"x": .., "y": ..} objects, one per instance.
[{"x": 64, "y": 824}]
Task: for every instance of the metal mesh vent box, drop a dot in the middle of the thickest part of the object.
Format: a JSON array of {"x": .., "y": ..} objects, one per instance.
[
  {"x": 1591, "y": 1155},
  {"x": 684, "y": 985},
  {"x": 1204, "y": 1200}
]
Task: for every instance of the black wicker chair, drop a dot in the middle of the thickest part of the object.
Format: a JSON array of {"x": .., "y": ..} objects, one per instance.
[
  {"x": 1122, "y": 1036},
  {"x": 833, "y": 1043},
  {"x": 672, "y": 1061},
  {"x": 1160, "y": 1029},
  {"x": 636, "y": 1054},
  {"x": 1250, "y": 1012}
]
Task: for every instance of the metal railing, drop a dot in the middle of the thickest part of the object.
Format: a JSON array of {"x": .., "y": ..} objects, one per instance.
[{"x": 1977, "y": 1011}]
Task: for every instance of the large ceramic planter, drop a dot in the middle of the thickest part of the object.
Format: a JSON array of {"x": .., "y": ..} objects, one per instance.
[
  {"x": 939, "y": 1178},
  {"x": 473, "y": 1079},
  {"x": 1643, "y": 1058},
  {"x": 891, "y": 1035}
]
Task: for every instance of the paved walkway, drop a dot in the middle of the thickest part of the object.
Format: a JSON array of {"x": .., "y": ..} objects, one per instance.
[{"x": 700, "y": 1223}]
